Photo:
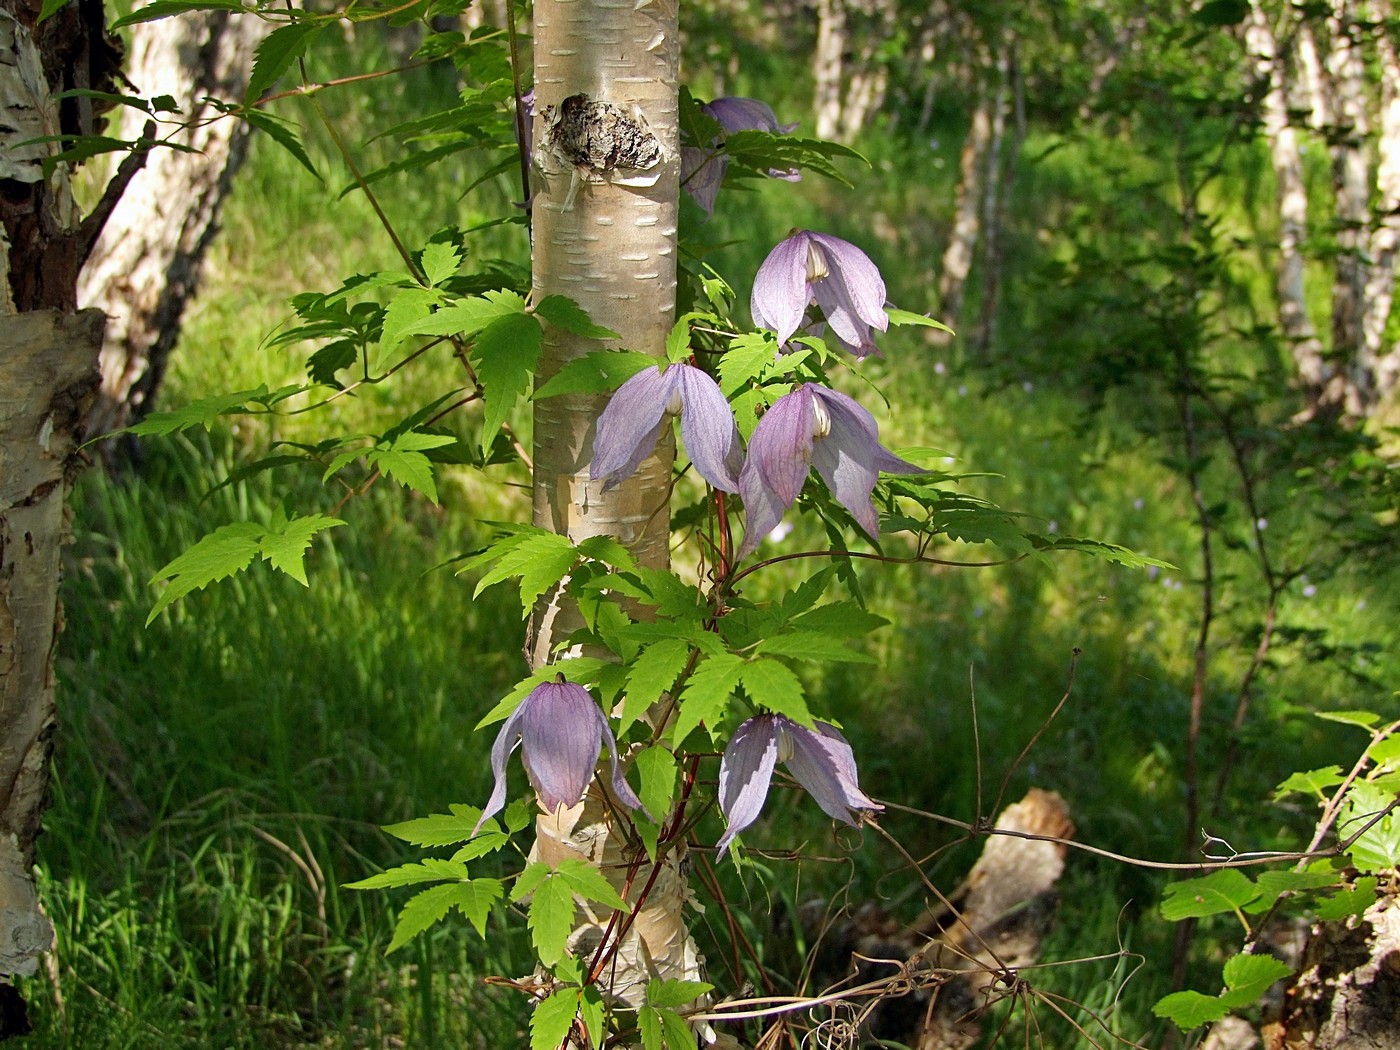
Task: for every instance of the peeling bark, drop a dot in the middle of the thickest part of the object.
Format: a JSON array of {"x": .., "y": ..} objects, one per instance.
[
  {"x": 606, "y": 187},
  {"x": 145, "y": 267}
]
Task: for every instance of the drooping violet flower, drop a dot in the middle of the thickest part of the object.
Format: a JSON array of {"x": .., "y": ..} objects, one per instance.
[
  {"x": 561, "y": 731},
  {"x": 703, "y": 168},
  {"x": 820, "y": 760},
  {"x": 813, "y": 427},
  {"x": 631, "y": 424},
  {"x": 837, "y": 275}
]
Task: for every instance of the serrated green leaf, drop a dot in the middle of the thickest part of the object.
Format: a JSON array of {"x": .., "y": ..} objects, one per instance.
[
  {"x": 608, "y": 550},
  {"x": 1220, "y": 891},
  {"x": 540, "y": 561},
  {"x": 651, "y": 674},
  {"x": 440, "y": 261},
  {"x": 1188, "y": 1010},
  {"x": 286, "y": 547},
  {"x": 590, "y": 883},
  {"x": 707, "y": 692},
  {"x": 1274, "y": 884},
  {"x": 595, "y": 373},
  {"x": 656, "y": 766},
  {"x": 422, "y": 911},
  {"x": 906, "y": 317},
  {"x": 49, "y": 9},
  {"x": 530, "y": 879},
  {"x": 518, "y": 814},
  {"x": 1311, "y": 782},
  {"x": 745, "y": 359},
  {"x": 811, "y": 645},
  {"x": 1348, "y": 902},
  {"x": 412, "y": 470},
  {"x": 594, "y": 1013},
  {"x": 1247, "y": 977},
  {"x": 846, "y": 619},
  {"x": 1385, "y": 752},
  {"x": 676, "y": 1031},
  {"x": 227, "y": 550},
  {"x": 505, "y": 353},
  {"x": 563, "y": 312},
  {"x": 201, "y": 413},
  {"x": 675, "y": 993},
  {"x": 432, "y": 869},
  {"x": 475, "y": 899},
  {"x": 1378, "y": 848},
  {"x": 277, "y": 52},
  {"x": 774, "y": 686},
  {"x": 441, "y": 829},
  {"x": 551, "y": 919},
  {"x": 166, "y": 8},
  {"x": 649, "y": 1026},
  {"x": 551, "y": 1020},
  {"x": 464, "y": 318},
  {"x": 281, "y": 134},
  {"x": 405, "y": 310},
  {"x": 1364, "y": 719}
]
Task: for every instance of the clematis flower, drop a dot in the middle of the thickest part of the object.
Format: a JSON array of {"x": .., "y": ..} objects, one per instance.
[
  {"x": 813, "y": 427},
  {"x": 837, "y": 275},
  {"x": 631, "y": 424},
  {"x": 561, "y": 731},
  {"x": 702, "y": 169},
  {"x": 820, "y": 760}
]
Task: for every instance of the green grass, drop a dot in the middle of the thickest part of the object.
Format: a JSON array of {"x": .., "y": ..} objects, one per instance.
[{"x": 223, "y": 773}]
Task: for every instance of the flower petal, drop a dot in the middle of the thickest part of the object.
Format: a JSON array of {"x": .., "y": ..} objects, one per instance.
[
  {"x": 852, "y": 295},
  {"x": 850, "y": 457},
  {"x": 781, "y": 445},
  {"x": 708, "y": 429},
  {"x": 562, "y": 735},
  {"x": 745, "y": 773},
  {"x": 504, "y": 744},
  {"x": 630, "y": 425},
  {"x": 780, "y": 292},
  {"x": 702, "y": 173},
  {"x": 622, "y": 790},
  {"x": 745, "y": 114},
  {"x": 824, "y": 764},
  {"x": 763, "y": 510}
]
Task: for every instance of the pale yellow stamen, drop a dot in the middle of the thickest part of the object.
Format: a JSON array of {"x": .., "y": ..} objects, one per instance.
[
  {"x": 816, "y": 262},
  {"x": 821, "y": 422}
]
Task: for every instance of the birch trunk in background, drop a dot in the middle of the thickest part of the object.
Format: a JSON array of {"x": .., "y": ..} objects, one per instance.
[
  {"x": 962, "y": 244},
  {"x": 48, "y": 372},
  {"x": 827, "y": 65},
  {"x": 1307, "y": 349},
  {"x": 145, "y": 267},
  {"x": 1352, "y": 390},
  {"x": 1381, "y": 361},
  {"x": 1001, "y": 167},
  {"x": 606, "y": 187}
]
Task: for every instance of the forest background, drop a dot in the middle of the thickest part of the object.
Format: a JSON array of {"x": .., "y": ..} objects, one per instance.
[{"x": 1161, "y": 344}]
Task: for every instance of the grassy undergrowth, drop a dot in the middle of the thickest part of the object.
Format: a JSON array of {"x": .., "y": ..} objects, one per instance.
[{"x": 223, "y": 772}]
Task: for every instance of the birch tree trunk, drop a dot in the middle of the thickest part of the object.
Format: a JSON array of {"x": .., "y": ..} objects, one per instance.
[
  {"x": 962, "y": 244},
  {"x": 48, "y": 372},
  {"x": 1001, "y": 167},
  {"x": 145, "y": 266},
  {"x": 606, "y": 187},
  {"x": 1308, "y": 353},
  {"x": 1383, "y": 362},
  {"x": 827, "y": 65}
]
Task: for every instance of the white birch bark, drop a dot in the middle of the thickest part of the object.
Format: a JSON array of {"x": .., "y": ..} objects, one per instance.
[
  {"x": 1306, "y": 348},
  {"x": 962, "y": 245},
  {"x": 48, "y": 371},
  {"x": 1381, "y": 361},
  {"x": 828, "y": 62},
  {"x": 145, "y": 266},
  {"x": 606, "y": 187}
]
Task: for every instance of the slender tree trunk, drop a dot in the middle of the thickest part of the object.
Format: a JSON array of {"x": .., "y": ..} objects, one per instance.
[
  {"x": 1000, "y": 168},
  {"x": 605, "y": 235},
  {"x": 828, "y": 65},
  {"x": 868, "y": 76},
  {"x": 1381, "y": 361},
  {"x": 48, "y": 372},
  {"x": 145, "y": 267},
  {"x": 1352, "y": 389},
  {"x": 1307, "y": 349},
  {"x": 962, "y": 245}
]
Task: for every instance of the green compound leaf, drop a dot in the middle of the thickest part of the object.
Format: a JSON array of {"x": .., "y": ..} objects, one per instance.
[
  {"x": 1363, "y": 719},
  {"x": 412, "y": 470},
  {"x": 1348, "y": 902},
  {"x": 277, "y": 52},
  {"x": 505, "y": 353},
  {"x": 422, "y": 911},
  {"x": 907, "y": 317},
  {"x": 1378, "y": 848},
  {"x": 1311, "y": 782},
  {"x": 442, "y": 829},
  {"x": 540, "y": 559},
  {"x": 225, "y": 551},
  {"x": 671, "y": 994},
  {"x": 551, "y": 918},
  {"x": 745, "y": 359},
  {"x": 201, "y": 413},
  {"x": 590, "y": 883},
  {"x": 774, "y": 686},
  {"x": 552, "y": 1019},
  {"x": 652, "y": 673},
  {"x": 657, "y": 768},
  {"x": 649, "y": 1026},
  {"x": 1221, "y": 891},
  {"x": 433, "y": 869},
  {"x": 707, "y": 693},
  {"x": 563, "y": 312},
  {"x": 440, "y": 261},
  {"x": 1274, "y": 884},
  {"x": 280, "y": 133},
  {"x": 811, "y": 645}
]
